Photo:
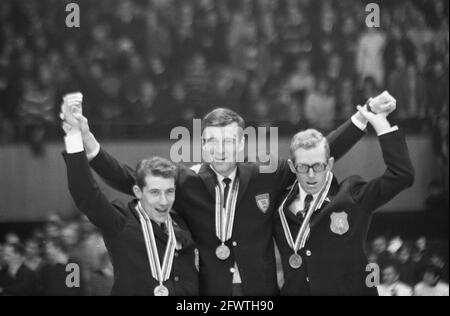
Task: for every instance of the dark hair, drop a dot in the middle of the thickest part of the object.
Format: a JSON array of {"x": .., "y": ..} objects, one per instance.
[
  {"x": 390, "y": 264},
  {"x": 58, "y": 244},
  {"x": 222, "y": 117},
  {"x": 433, "y": 269},
  {"x": 155, "y": 166},
  {"x": 18, "y": 248}
]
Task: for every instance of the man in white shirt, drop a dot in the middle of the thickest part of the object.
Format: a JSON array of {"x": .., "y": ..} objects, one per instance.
[
  {"x": 391, "y": 285},
  {"x": 431, "y": 284}
]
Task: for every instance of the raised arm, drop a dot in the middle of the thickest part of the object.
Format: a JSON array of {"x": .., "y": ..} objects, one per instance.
[
  {"x": 343, "y": 138},
  {"x": 117, "y": 175},
  {"x": 348, "y": 134},
  {"x": 88, "y": 197},
  {"x": 84, "y": 189},
  {"x": 399, "y": 173}
]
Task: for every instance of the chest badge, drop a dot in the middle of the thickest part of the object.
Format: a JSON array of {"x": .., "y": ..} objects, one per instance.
[
  {"x": 339, "y": 223},
  {"x": 263, "y": 202}
]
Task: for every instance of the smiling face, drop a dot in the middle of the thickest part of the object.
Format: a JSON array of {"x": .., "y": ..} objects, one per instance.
[
  {"x": 221, "y": 145},
  {"x": 156, "y": 197}
]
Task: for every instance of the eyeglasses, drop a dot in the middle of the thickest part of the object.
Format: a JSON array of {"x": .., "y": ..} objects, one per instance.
[{"x": 317, "y": 167}]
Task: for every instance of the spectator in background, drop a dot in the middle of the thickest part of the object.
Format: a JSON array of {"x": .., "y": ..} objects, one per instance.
[
  {"x": 369, "y": 89},
  {"x": 53, "y": 275},
  {"x": 12, "y": 238},
  {"x": 431, "y": 284},
  {"x": 228, "y": 86},
  {"x": 302, "y": 81},
  {"x": 16, "y": 279},
  {"x": 334, "y": 72},
  {"x": 421, "y": 254},
  {"x": 348, "y": 44},
  {"x": 369, "y": 55},
  {"x": 391, "y": 285},
  {"x": 197, "y": 80},
  {"x": 422, "y": 37},
  {"x": 379, "y": 253},
  {"x": 33, "y": 255},
  {"x": 36, "y": 106},
  {"x": 345, "y": 99},
  {"x": 398, "y": 45},
  {"x": 2, "y": 258},
  {"x": 320, "y": 106},
  {"x": 294, "y": 30},
  {"x": 102, "y": 279},
  {"x": 438, "y": 81},
  {"x": 406, "y": 267},
  {"x": 410, "y": 89}
]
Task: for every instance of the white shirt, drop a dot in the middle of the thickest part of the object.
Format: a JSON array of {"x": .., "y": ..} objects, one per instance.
[
  {"x": 396, "y": 289},
  {"x": 422, "y": 289},
  {"x": 220, "y": 179},
  {"x": 298, "y": 204}
]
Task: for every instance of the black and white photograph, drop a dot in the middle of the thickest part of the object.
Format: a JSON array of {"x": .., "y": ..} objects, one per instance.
[{"x": 227, "y": 153}]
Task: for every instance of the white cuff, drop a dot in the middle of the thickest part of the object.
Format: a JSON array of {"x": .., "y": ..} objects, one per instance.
[
  {"x": 91, "y": 155},
  {"x": 74, "y": 143},
  {"x": 358, "y": 124},
  {"x": 390, "y": 130}
]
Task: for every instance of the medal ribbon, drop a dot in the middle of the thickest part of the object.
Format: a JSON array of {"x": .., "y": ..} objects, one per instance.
[
  {"x": 304, "y": 231},
  {"x": 159, "y": 273},
  {"x": 225, "y": 215}
]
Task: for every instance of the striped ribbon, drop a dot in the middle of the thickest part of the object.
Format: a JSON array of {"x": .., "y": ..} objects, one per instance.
[
  {"x": 225, "y": 215},
  {"x": 160, "y": 273},
  {"x": 304, "y": 231}
]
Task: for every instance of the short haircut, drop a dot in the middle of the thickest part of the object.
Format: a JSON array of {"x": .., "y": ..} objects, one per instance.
[
  {"x": 222, "y": 117},
  {"x": 308, "y": 139},
  {"x": 155, "y": 166}
]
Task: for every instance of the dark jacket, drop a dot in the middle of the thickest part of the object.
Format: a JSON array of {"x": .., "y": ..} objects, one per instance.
[
  {"x": 252, "y": 241},
  {"x": 334, "y": 261},
  {"x": 122, "y": 233}
]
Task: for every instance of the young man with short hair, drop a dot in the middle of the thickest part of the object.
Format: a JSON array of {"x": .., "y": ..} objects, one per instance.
[{"x": 150, "y": 246}]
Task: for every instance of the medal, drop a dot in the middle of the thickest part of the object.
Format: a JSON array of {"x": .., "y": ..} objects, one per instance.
[
  {"x": 223, "y": 252},
  {"x": 159, "y": 272},
  {"x": 295, "y": 261},
  {"x": 225, "y": 218},
  {"x": 161, "y": 290}
]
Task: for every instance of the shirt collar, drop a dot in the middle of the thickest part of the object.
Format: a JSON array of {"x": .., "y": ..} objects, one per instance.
[
  {"x": 303, "y": 194},
  {"x": 220, "y": 178}
]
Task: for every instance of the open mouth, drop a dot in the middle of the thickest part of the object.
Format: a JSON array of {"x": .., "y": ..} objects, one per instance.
[{"x": 161, "y": 210}]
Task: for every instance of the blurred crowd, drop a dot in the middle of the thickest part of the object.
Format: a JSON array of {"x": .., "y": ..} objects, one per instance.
[
  {"x": 164, "y": 61},
  {"x": 61, "y": 258},
  {"x": 410, "y": 268},
  {"x": 38, "y": 263}
]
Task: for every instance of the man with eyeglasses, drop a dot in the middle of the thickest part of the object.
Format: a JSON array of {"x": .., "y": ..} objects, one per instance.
[
  {"x": 229, "y": 206},
  {"x": 320, "y": 225}
]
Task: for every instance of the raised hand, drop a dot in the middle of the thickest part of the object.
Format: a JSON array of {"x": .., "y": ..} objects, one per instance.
[
  {"x": 378, "y": 121},
  {"x": 384, "y": 103}
]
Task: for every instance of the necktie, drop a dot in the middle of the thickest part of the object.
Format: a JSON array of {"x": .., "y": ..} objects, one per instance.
[
  {"x": 226, "y": 191},
  {"x": 307, "y": 204},
  {"x": 164, "y": 228}
]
